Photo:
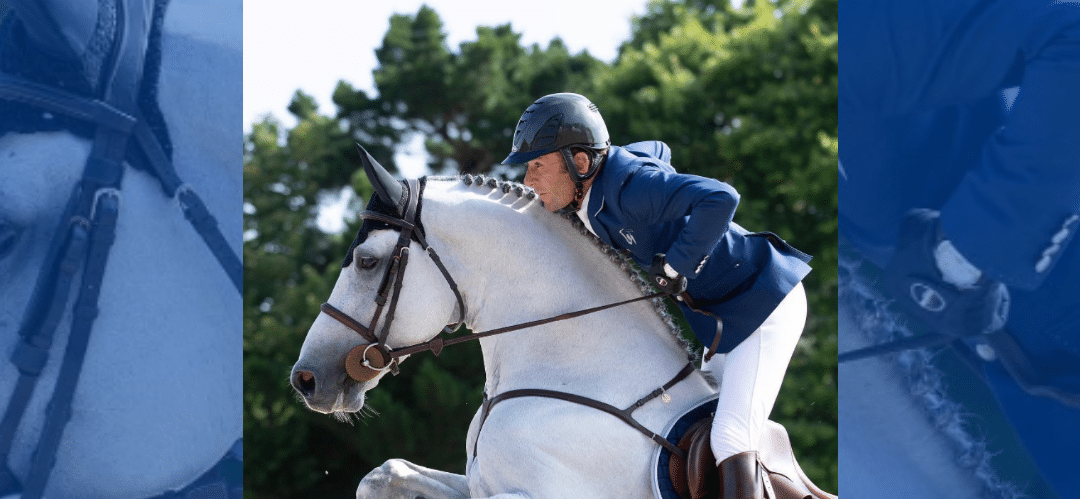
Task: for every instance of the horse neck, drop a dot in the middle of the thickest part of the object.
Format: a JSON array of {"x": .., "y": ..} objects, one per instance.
[{"x": 522, "y": 264}]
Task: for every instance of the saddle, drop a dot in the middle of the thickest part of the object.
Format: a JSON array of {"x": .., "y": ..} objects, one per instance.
[{"x": 698, "y": 477}]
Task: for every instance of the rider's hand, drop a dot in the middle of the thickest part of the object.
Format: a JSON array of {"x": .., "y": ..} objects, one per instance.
[
  {"x": 665, "y": 278},
  {"x": 932, "y": 282}
]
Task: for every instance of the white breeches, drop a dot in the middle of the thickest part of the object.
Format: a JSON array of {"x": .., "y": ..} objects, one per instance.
[{"x": 750, "y": 377}]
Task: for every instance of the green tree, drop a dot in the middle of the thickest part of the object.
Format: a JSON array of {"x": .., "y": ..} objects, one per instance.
[
  {"x": 746, "y": 95},
  {"x": 749, "y": 97},
  {"x": 460, "y": 101}
]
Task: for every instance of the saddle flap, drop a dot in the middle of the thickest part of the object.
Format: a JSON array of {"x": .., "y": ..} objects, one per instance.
[
  {"x": 699, "y": 467},
  {"x": 698, "y": 477},
  {"x": 778, "y": 458}
]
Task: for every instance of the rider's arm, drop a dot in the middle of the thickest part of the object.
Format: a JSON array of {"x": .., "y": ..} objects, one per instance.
[
  {"x": 653, "y": 195},
  {"x": 1014, "y": 213}
]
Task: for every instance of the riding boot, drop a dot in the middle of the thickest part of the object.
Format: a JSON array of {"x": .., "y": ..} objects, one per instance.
[{"x": 740, "y": 477}]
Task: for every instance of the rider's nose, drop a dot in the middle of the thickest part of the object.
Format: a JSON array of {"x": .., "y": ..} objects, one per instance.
[{"x": 304, "y": 382}]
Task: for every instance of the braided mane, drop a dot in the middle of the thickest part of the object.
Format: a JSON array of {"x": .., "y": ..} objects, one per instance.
[{"x": 621, "y": 259}]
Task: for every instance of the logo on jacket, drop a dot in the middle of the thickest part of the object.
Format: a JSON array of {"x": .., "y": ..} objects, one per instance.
[{"x": 628, "y": 235}]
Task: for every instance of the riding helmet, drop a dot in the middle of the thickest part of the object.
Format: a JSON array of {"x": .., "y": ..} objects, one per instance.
[{"x": 555, "y": 122}]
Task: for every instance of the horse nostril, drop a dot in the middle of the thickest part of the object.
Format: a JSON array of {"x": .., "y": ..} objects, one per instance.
[{"x": 304, "y": 382}]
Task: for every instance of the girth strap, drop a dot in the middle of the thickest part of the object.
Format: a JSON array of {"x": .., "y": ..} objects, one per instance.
[{"x": 626, "y": 415}]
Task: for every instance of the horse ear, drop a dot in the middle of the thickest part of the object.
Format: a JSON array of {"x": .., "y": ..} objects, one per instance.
[{"x": 386, "y": 186}]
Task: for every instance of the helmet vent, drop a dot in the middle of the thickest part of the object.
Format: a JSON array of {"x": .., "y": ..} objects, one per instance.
[{"x": 547, "y": 134}]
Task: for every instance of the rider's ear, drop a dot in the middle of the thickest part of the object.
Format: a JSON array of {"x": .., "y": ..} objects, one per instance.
[
  {"x": 386, "y": 186},
  {"x": 581, "y": 161}
]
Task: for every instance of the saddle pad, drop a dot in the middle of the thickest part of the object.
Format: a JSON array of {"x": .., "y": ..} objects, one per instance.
[
  {"x": 662, "y": 480},
  {"x": 774, "y": 450}
]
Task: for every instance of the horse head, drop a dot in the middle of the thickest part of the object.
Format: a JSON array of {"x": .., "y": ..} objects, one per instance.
[{"x": 388, "y": 295}]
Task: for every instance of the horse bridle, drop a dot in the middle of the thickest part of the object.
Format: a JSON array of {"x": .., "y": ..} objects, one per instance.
[
  {"x": 85, "y": 235},
  {"x": 367, "y": 360}
]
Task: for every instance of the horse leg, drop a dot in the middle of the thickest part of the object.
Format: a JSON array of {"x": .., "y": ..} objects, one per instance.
[{"x": 400, "y": 479}]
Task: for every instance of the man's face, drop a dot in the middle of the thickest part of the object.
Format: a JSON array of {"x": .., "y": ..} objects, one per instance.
[{"x": 548, "y": 177}]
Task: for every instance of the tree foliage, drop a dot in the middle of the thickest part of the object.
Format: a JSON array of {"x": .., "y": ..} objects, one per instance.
[{"x": 744, "y": 95}]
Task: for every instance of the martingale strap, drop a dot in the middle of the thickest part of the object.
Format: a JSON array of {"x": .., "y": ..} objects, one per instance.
[{"x": 626, "y": 415}]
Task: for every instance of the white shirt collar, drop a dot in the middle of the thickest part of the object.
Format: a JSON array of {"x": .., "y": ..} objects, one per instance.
[{"x": 583, "y": 212}]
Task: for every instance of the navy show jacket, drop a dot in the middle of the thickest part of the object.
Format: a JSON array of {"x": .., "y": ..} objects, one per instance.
[{"x": 639, "y": 203}]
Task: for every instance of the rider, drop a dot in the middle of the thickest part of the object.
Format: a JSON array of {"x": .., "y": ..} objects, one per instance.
[
  {"x": 680, "y": 227},
  {"x": 969, "y": 201}
]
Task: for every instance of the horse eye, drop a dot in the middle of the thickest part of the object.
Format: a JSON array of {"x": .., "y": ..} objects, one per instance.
[{"x": 368, "y": 262}]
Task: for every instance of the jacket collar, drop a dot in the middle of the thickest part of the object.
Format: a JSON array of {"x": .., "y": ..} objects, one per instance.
[{"x": 605, "y": 188}]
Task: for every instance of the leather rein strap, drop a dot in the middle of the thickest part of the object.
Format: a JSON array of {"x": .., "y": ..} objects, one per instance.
[
  {"x": 92, "y": 212},
  {"x": 364, "y": 370},
  {"x": 394, "y": 277},
  {"x": 436, "y": 345}
]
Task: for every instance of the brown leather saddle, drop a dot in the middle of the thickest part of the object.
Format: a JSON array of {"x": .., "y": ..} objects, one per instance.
[{"x": 697, "y": 476}]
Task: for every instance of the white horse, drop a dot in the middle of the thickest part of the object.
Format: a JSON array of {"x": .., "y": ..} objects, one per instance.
[
  {"x": 903, "y": 435},
  {"x": 514, "y": 262},
  {"x": 159, "y": 398}
]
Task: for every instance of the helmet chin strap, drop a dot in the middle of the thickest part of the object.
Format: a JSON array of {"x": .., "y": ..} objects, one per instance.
[{"x": 579, "y": 178}]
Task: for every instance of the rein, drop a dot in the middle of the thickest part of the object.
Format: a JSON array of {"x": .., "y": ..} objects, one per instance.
[
  {"x": 367, "y": 360},
  {"x": 436, "y": 345}
]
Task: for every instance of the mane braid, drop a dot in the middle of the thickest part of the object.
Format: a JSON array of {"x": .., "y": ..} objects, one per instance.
[
  {"x": 618, "y": 258},
  {"x": 622, "y": 260}
]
